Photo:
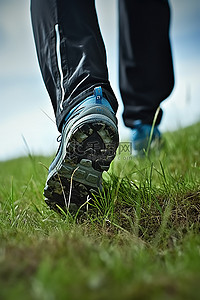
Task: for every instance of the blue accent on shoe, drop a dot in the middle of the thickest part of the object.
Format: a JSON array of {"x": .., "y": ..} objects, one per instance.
[
  {"x": 137, "y": 123},
  {"x": 98, "y": 94},
  {"x": 141, "y": 134},
  {"x": 96, "y": 98}
]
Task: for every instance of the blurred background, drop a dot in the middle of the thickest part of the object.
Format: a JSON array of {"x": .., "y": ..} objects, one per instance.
[{"x": 26, "y": 116}]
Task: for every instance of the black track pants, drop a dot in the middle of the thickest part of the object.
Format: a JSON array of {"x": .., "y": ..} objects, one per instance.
[
  {"x": 72, "y": 55},
  {"x": 146, "y": 71}
]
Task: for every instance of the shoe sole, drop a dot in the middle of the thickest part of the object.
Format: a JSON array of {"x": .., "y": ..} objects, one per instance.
[{"x": 86, "y": 151}]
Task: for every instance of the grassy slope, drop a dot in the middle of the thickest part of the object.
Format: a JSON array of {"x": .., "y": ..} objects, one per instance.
[{"x": 141, "y": 241}]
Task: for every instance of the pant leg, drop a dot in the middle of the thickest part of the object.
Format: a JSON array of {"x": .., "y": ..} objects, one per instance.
[
  {"x": 145, "y": 60},
  {"x": 70, "y": 51}
]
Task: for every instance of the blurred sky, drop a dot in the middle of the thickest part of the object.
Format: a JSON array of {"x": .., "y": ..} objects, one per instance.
[{"x": 23, "y": 97}]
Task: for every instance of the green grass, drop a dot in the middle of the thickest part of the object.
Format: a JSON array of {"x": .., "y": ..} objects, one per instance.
[{"x": 139, "y": 240}]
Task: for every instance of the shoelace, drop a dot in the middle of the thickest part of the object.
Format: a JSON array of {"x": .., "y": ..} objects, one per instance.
[{"x": 59, "y": 138}]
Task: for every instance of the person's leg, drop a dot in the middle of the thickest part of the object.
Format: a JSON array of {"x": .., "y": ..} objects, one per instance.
[
  {"x": 73, "y": 63},
  {"x": 146, "y": 70},
  {"x": 71, "y": 52}
]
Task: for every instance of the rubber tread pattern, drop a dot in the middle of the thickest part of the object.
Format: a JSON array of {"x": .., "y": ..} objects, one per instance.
[{"x": 90, "y": 150}]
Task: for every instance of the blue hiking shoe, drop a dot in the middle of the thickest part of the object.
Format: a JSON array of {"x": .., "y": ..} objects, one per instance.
[
  {"x": 89, "y": 141},
  {"x": 141, "y": 135}
]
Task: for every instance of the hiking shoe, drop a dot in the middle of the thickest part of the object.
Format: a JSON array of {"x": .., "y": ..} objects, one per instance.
[
  {"x": 141, "y": 135},
  {"x": 88, "y": 144}
]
